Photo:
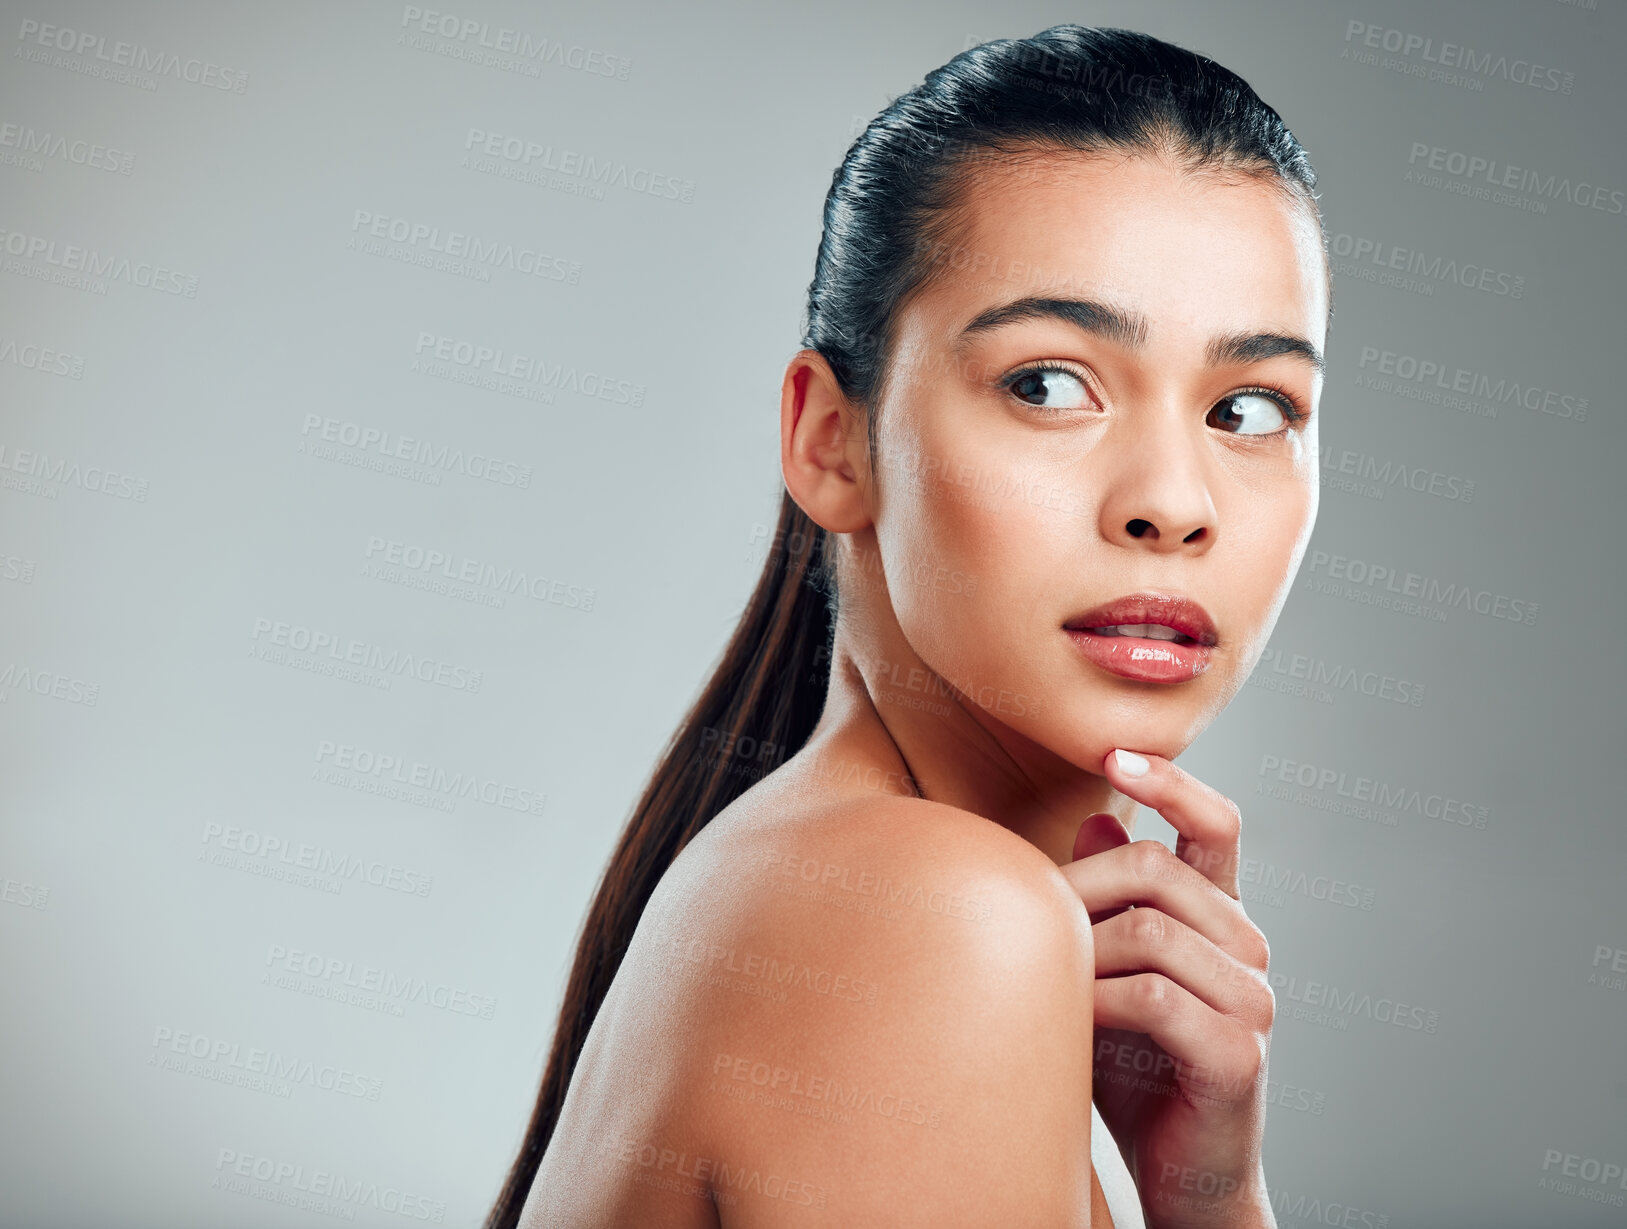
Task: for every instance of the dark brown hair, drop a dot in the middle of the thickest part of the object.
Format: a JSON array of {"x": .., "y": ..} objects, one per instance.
[{"x": 889, "y": 219}]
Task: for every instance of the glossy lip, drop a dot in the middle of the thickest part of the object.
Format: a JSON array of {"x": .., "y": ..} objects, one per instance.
[
  {"x": 1140, "y": 657},
  {"x": 1170, "y": 609}
]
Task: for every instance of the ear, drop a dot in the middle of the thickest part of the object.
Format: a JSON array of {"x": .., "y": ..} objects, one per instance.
[{"x": 822, "y": 446}]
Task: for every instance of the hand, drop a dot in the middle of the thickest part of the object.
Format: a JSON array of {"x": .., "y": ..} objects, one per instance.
[{"x": 1183, "y": 1007}]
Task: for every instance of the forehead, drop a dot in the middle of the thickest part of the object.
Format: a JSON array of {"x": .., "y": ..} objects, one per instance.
[{"x": 1196, "y": 253}]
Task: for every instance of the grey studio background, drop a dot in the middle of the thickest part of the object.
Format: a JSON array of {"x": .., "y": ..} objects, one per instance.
[{"x": 388, "y": 444}]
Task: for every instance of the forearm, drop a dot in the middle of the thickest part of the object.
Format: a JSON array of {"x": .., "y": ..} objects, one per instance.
[{"x": 1191, "y": 1199}]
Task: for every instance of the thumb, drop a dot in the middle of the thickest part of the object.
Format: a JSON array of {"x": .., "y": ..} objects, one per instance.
[{"x": 1100, "y": 832}]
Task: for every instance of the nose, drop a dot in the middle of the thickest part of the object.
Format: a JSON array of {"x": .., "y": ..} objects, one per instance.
[{"x": 1158, "y": 493}]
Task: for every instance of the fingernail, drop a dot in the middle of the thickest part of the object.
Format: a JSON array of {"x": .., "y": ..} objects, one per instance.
[{"x": 1131, "y": 764}]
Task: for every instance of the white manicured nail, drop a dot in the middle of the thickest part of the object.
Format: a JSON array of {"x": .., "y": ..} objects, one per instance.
[{"x": 1131, "y": 764}]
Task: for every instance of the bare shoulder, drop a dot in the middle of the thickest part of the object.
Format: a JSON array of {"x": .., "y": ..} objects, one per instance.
[
  {"x": 883, "y": 831},
  {"x": 867, "y": 993}
]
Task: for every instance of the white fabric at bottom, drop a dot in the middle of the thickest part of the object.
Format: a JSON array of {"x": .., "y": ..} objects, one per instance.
[{"x": 1118, "y": 1187}]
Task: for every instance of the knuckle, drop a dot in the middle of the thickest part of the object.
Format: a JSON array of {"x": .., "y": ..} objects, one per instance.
[
  {"x": 1152, "y": 991},
  {"x": 1151, "y": 858},
  {"x": 1237, "y": 1069},
  {"x": 1256, "y": 950},
  {"x": 1267, "y": 1008},
  {"x": 1148, "y": 926},
  {"x": 1249, "y": 1063}
]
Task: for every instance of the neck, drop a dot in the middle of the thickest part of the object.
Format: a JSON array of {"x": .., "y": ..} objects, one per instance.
[{"x": 886, "y": 707}]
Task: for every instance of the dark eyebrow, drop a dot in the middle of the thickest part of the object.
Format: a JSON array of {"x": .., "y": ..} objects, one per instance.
[
  {"x": 1129, "y": 329},
  {"x": 1255, "y": 347}
]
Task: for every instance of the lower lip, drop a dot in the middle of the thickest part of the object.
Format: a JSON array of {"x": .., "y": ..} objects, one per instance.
[{"x": 1141, "y": 658}]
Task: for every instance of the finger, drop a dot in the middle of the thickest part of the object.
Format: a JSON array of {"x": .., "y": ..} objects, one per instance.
[
  {"x": 1147, "y": 872},
  {"x": 1209, "y": 823},
  {"x": 1148, "y": 940},
  {"x": 1218, "y": 1058},
  {"x": 1098, "y": 833}
]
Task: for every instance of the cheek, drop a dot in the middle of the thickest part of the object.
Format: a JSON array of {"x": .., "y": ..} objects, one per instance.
[
  {"x": 1269, "y": 535},
  {"x": 1294, "y": 512},
  {"x": 979, "y": 560}
]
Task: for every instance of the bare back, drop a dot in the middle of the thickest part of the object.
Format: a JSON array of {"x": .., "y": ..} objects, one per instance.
[{"x": 843, "y": 1006}]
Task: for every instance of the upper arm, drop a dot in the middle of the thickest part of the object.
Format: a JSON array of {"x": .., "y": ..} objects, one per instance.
[{"x": 893, "y": 1027}]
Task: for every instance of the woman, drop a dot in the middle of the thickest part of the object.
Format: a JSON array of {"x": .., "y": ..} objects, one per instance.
[{"x": 877, "y": 947}]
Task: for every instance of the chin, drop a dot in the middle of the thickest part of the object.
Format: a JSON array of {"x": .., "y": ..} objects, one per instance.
[{"x": 1087, "y": 730}]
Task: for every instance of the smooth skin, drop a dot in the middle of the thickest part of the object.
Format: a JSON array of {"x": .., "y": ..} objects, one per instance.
[
  {"x": 926, "y": 1064},
  {"x": 1093, "y": 958},
  {"x": 1121, "y": 478}
]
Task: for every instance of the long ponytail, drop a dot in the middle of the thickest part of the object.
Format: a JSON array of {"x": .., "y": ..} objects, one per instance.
[
  {"x": 761, "y": 704},
  {"x": 889, "y": 228}
]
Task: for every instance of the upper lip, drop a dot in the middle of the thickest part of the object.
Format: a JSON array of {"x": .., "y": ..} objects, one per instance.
[{"x": 1170, "y": 609}]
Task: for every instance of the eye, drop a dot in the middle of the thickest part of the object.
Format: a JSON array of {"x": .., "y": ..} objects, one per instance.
[
  {"x": 1252, "y": 412},
  {"x": 1034, "y": 384}
]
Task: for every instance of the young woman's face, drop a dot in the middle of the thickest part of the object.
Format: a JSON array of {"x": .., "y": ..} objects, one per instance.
[{"x": 1157, "y": 436}]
